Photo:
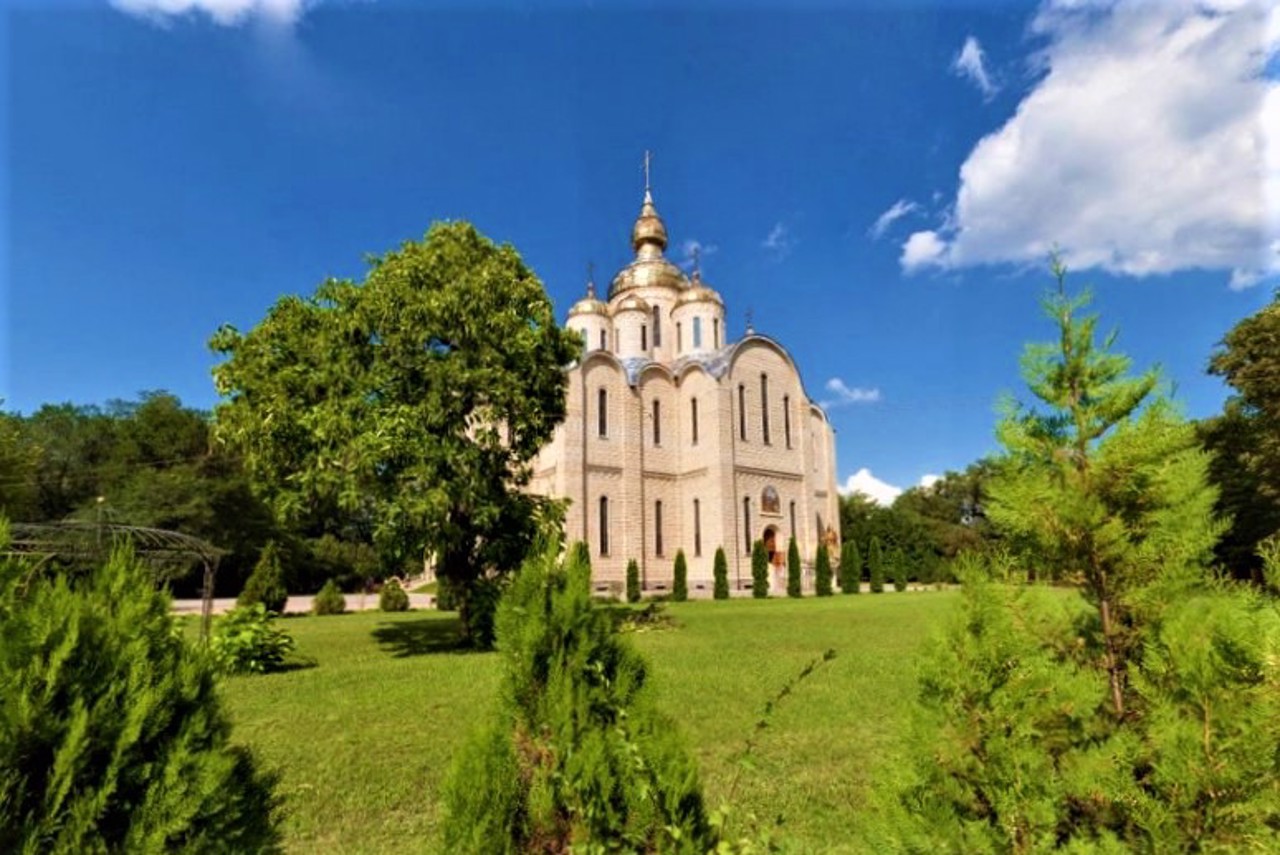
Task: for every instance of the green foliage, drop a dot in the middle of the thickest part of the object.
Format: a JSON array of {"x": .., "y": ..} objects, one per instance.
[
  {"x": 680, "y": 583},
  {"x": 577, "y": 756},
  {"x": 900, "y": 570},
  {"x": 875, "y": 566},
  {"x": 720, "y": 571},
  {"x": 246, "y": 641},
  {"x": 633, "y": 581},
  {"x": 388, "y": 399},
  {"x": 349, "y": 563},
  {"x": 850, "y": 567},
  {"x": 822, "y": 572},
  {"x": 329, "y": 600},
  {"x": 392, "y": 597},
  {"x": 759, "y": 571},
  {"x": 112, "y": 736},
  {"x": 266, "y": 584},
  {"x": 793, "y": 569},
  {"x": 446, "y": 599}
]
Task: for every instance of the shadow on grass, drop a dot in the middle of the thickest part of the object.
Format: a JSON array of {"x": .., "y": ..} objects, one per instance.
[{"x": 420, "y": 637}]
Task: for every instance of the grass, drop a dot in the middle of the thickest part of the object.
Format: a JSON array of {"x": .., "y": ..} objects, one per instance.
[{"x": 363, "y": 739}]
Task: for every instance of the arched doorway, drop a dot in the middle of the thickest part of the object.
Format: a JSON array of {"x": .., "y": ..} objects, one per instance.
[{"x": 770, "y": 539}]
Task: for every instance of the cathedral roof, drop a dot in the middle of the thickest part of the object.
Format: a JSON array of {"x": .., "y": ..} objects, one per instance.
[
  {"x": 698, "y": 292},
  {"x": 589, "y": 305},
  {"x": 632, "y": 302}
]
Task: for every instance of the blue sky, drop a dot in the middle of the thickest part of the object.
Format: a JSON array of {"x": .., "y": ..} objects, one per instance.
[{"x": 877, "y": 183}]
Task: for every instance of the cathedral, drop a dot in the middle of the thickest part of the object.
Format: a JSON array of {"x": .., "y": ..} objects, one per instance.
[{"x": 677, "y": 438}]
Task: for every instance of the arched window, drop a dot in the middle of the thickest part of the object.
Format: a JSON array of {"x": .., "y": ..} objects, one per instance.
[
  {"x": 602, "y": 412},
  {"x": 697, "y": 527},
  {"x": 742, "y": 412},
  {"x": 657, "y": 528},
  {"x": 693, "y": 420},
  {"x": 644, "y": 337},
  {"x": 657, "y": 423},
  {"x": 604, "y": 339},
  {"x": 604, "y": 525},
  {"x": 697, "y": 332},
  {"x": 715, "y": 338},
  {"x": 746, "y": 522},
  {"x": 786, "y": 418},
  {"x": 679, "y": 338},
  {"x": 794, "y": 533},
  {"x": 764, "y": 407},
  {"x": 769, "y": 503},
  {"x": 657, "y": 327}
]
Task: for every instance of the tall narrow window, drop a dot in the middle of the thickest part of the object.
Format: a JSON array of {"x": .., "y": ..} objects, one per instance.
[
  {"x": 715, "y": 328},
  {"x": 746, "y": 522},
  {"x": 657, "y": 423},
  {"x": 604, "y": 340},
  {"x": 602, "y": 414},
  {"x": 697, "y": 527},
  {"x": 697, "y": 333},
  {"x": 604, "y": 525},
  {"x": 679, "y": 338},
  {"x": 657, "y": 327},
  {"x": 764, "y": 407},
  {"x": 742, "y": 412},
  {"x": 644, "y": 337},
  {"x": 786, "y": 418},
  {"x": 794, "y": 533},
  {"x": 657, "y": 528},
  {"x": 693, "y": 420}
]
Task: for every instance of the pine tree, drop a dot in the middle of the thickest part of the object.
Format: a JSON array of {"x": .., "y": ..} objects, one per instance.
[
  {"x": 266, "y": 583},
  {"x": 793, "y": 569},
  {"x": 875, "y": 567},
  {"x": 680, "y": 582},
  {"x": 850, "y": 567},
  {"x": 822, "y": 572},
  {"x": 577, "y": 753},
  {"x": 759, "y": 571},
  {"x": 721, "y": 575},
  {"x": 112, "y": 736},
  {"x": 633, "y": 581}
]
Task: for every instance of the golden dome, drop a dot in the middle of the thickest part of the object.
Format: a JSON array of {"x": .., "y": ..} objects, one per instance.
[
  {"x": 632, "y": 303},
  {"x": 589, "y": 306},
  {"x": 649, "y": 230},
  {"x": 644, "y": 272},
  {"x": 697, "y": 292}
]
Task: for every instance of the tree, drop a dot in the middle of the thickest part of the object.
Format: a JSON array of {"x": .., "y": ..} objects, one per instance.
[
  {"x": 680, "y": 581},
  {"x": 822, "y": 572},
  {"x": 875, "y": 567},
  {"x": 901, "y": 570},
  {"x": 266, "y": 584},
  {"x": 793, "y": 569},
  {"x": 415, "y": 399},
  {"x": 112, "y": 735},
  {"x": 633, "y": 581},
  {"x": 759, "y": 571},
  {"x": 850, "y": 567},
  {"x": 721, "y": 573}
]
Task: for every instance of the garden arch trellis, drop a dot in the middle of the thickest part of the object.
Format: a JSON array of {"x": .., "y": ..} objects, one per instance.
[{"x": 170, "y": 553}]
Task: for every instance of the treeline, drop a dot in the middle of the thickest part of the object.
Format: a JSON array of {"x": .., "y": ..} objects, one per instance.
[{"x": 152, "y": 462}]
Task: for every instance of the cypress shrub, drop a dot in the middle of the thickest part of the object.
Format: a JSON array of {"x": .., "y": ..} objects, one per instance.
[
  {"x": 112, "y": 736},
  {"x": 759, "y": 571},
  {"x": 266, "y": 583},
  {"x": 850, "y": 567},
  {"x": 822, "y": 572},
  {"x": 721, "y": 572},
  {"x": 875, "y": 566},
  {"x": 900, "y": 570},
  {"x": 633, "y": 581},
  {"x": 577, "y": 755},
  {"x": 329, "y": 601},
  {"x": 793, "y": 569},
  {"x": 680, "y": 584},
  {"x": 392, "y": 598}
]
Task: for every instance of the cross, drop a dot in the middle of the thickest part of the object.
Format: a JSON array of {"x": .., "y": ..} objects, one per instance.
[
  {"x": 646, "y": 169},
  {"x": 591, "y": 279},
  {"x": 750, "y": 328},
  {"x": 697, "y": 267}
]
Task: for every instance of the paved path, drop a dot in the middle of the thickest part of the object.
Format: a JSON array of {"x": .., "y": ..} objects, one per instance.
[{"x": 302, "y": 604}]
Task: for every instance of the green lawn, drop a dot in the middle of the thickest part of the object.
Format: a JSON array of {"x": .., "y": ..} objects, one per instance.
[{"x": 363, "y": 739}]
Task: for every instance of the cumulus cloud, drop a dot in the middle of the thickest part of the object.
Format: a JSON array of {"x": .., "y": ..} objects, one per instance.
[
  {"x": 928, "y": 481},
  {"x": 844, "y": 395},
  {"x": 897, "y": 211},
  {"x": 1149, "y": 144},
  {"x": 862, "y": 481},
  {"x": 779, "y": 241},
  {"x": 971, "y": 62},
  {"x": 225, "y": 12}
]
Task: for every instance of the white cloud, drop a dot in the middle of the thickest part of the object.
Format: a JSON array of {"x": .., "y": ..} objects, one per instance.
[
  {"x": 225, "y": 12},
  {"x": 779, "y": 241},
  {"x": 971, "y": 62},
  {"x": 928, "y": 481},
  {"x": 862, "y": 481},
  {"x": 1150, "y": 144},
  {"x": 897, "y": 211},
  {"x": 844, "y": 395}
]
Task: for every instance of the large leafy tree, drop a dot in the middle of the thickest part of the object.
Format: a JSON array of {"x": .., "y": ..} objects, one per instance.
[{"x": 414, "y": 399}]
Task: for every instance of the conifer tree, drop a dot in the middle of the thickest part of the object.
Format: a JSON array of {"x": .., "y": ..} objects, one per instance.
[
  {"x": 793, "y": 569},
  {"x": 266, "y": 583},
  {"x": 759, "y": 571},
  {"x": 680, "y": 582},
  {"x": 850, "y": 567},
  {"x": 721, "y": 571},
  {"x": 822, "y": 572},
  {"x": 633, "y": 581},
  {"x": 900, "y": 569},
  {"x": 875, "y": 567}
]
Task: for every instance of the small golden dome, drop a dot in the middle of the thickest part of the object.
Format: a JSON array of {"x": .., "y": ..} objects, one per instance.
[
  {"x": 649, "y": 228},
  {"x": 632, "y": 303},
  {"x": 589, "y": 306},
  {"x": 697, "y": 292}
]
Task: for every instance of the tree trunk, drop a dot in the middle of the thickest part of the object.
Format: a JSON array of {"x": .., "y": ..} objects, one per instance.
[{"x": 1114, "y": 669}]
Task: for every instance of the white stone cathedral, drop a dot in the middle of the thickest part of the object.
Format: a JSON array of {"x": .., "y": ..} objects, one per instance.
[{"x": 676, "y": 438}]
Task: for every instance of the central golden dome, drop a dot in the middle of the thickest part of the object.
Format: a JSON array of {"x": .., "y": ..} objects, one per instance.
[{"x": 650, "y": 267}]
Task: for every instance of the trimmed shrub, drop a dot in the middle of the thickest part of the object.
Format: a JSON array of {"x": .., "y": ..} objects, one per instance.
[
  {"x": 392, "y": 598},
  {"x": 900, "y": 570},
  {"x": 633, "y": 581},
  {"x": 577, "y": 756},
  {"x": 822, "y": 572},
  {"x": 875, "y": 566},
  {"x": 680, "y": 584},
  {"x": 721, "y": 572},
  {"x": 112, "y": 736},
  {"x": 246, "y": 641},
  {"x": 793, "y": 569},
  {"x": 850, "y": 567},
  {"x": 329, "y": 601},
  {"x": 266, "y": 583},
  {"x": 759, "y": 571}
]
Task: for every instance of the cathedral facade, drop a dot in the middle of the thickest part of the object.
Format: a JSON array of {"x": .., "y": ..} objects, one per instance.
[{"x": 677, "y": 438}]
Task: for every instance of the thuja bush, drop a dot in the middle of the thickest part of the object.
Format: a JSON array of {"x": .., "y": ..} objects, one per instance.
[
  {"x": 900, "y": 570},
  {"x": 680, "y": 583},
  {"x": 392, "y": 597},
  {"x": 822, "y": 572},
  {"x": 329, "y": 601},
  {"x": 850, "y": 567},
  {"x": 266, "y": 583},
  {"x": 793, "y": 569},
  {"x": 246, "y": 641},
  {"x": 633, "y": 581},
  {"x": 576, "y": 757},
  {"x": 721, "y": 573},
  {"x": 759, "y": 571},
  {"x": 112, "y": 737},
  {"x": 875, "y": 566}
]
